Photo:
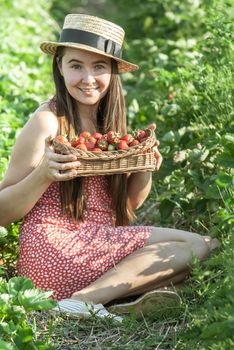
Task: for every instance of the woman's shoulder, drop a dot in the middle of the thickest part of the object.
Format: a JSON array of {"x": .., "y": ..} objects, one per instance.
[
  {"x": 47, "y": 106},
  {"x": 45, "y": 116}
]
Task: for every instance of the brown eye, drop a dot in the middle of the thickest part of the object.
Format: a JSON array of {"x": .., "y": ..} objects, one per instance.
[
  {"x": 76, "y": 66},
  {"x": 99, "y": 66}
]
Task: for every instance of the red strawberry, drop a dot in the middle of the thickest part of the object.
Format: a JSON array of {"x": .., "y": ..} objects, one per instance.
[
  {"x": 113, "y": 137},
  {"x": 77, "y": 141},
  {"x": 134, "y": 143},
  {"x": 61, "y": 139},
  {"x": 103, "y": 144},
  {"x": 74, "y": 142},
  {"x": 92, "y": 139},
  {"x": 97, "y": 135},
  {"x": 82, "y": 147},
  {"x": 81, "y": 139},
  {"x": 128, "y": 138},
  {"x": 122, "y": 145},
  {"x": 90, "y": 145},
  {"x": 97, "y": 149},
  {"x": 85, "y": 134},
  {"x": 139, "y": 134}
]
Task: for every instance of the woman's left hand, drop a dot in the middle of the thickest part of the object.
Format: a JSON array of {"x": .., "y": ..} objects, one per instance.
[{"x": 157, "y": 154}]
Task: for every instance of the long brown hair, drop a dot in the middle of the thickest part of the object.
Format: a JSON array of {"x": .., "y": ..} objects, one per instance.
[{"x": 111, "y": 115}]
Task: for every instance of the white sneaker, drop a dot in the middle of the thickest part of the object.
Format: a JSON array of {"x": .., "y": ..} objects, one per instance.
[
  {"x": 81, "y": 309},
  {"x": 161, "y": 302}
]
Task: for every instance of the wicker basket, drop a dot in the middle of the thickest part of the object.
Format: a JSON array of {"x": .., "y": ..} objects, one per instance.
[{"x": 135, "y": 159}]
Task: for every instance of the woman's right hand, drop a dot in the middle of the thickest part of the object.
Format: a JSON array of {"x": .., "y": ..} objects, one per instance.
[{"x": 58, "y": 167}]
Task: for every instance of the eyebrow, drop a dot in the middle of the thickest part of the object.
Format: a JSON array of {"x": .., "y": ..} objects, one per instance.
[{"x": 78, "y": 61}]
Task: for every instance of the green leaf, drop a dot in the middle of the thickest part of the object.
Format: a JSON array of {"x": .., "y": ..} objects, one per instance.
[
  {"x": 24, "y": 336},
  {"x": 3, "y": 232},
  {"x": 166, "y": 208},
  {"x": 220, "y": 330},
  {"x": 8, "y": 327},
  {"x": 17, "y": 284},
  {"x": 171, "y": 137},
  {"x": 229, "y": 137},
  {"x": 4, "y": 298},
  {"x": 6, "y": 346},
  {"x": 226, "y": 160},
  {"x": 213, "y": 192},
  {"x": 200, "y": 206},
  {"x": 224, "y": 180},
  {"x": 3, "y": 286},
  {"x": 35, "y": 299},
  {"x": 198, "y": 155}
]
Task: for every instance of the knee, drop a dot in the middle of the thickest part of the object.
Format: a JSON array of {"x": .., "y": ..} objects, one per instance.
[{"x": 198, "y": 246}]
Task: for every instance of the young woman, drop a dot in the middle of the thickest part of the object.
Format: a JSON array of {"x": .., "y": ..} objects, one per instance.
[{"x": 75, "y": 238}]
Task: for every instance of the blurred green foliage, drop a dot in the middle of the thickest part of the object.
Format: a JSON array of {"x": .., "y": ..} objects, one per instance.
[
  {"x": 24, "y": 83},
  {"x": 185, "y": 85}
]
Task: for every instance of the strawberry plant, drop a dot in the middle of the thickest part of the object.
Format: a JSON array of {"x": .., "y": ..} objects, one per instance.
[{"x": 18, "y": 298}]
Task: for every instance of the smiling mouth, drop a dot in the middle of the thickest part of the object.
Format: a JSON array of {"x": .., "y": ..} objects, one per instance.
[{"x": 88, "y": 90}]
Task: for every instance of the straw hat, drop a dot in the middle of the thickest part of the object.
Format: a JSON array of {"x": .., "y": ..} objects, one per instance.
[{"x": 93, "y": 34}]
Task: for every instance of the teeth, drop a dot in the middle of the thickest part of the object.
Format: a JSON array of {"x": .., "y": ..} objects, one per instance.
[{"x": 88, "y": 90}]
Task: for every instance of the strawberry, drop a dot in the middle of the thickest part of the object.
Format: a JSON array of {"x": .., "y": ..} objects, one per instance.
[
  {"x": 80, "y": 139},
  {"x": 139, "y": 134},
  {"x": 134, "y": 143},
  {"x": 113, "y": 137},
  {"x": 97, "y": 149},
  {"x": 85, "y": 134},
  {"x": 97, "y": 135},
  {"x": 90, "y": 145},
  {"x": 128, "y": 138},
  {"x": 103, "y": 144},
  {"x": 74, "y": 142},
  {"x": 61, "y": 139},
  {"x": 82, "y": 147},
  {"x": 92, "y": 139},
  {"x": 122, "y": 145}
]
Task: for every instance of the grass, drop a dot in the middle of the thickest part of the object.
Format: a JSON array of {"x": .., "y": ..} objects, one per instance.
[
  {"x": 156, "y": 331},
  {"x": 95, "y": 333}
]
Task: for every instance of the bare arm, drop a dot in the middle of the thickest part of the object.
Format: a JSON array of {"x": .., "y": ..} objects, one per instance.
[
  {"x": 33, "y": 167},
  {"x": 139, "y": 184}
]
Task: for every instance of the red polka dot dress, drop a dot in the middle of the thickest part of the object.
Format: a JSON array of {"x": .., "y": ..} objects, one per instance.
[{"x": 63, "y": 256}]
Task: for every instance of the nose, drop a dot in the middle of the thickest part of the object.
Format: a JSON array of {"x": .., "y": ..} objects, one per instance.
[{"x": 88, "y": 77}]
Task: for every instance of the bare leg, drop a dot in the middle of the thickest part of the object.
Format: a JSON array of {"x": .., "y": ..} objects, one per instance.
[
  {"x": 166, "y": 256},
  {"x": 172, "y": 282}
]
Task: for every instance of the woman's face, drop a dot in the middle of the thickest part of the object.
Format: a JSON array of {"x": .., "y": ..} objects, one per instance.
[{"x": 86, "y": 75}]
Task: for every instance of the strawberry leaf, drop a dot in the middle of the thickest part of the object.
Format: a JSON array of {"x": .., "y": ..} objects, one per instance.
[
  {"x": 35, "y": 299},
  {"x": 17, "y": 284},
  {"x": 6, "y": 346}
]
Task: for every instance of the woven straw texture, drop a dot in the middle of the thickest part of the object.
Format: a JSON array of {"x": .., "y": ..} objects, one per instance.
[
  {"x": 96, "y": 25},
  {"x": 135, "y": 159}
]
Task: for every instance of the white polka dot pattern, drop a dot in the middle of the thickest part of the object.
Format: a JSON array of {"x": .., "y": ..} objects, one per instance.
[{"x": 63, "y": 256}]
